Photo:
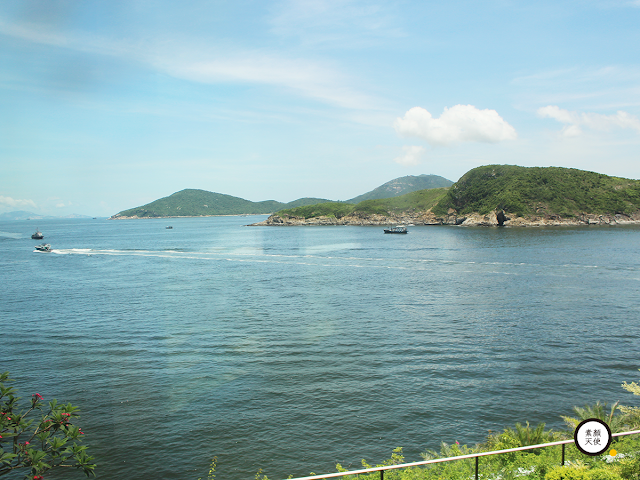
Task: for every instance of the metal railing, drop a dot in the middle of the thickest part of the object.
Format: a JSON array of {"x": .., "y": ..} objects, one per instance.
[{"x": 383, "y": 469}]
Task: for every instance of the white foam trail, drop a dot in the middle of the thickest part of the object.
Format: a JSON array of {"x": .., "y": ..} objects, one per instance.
[
  {"x": 332, "y": 247},
  {"x": 258, "y": 256},
  {"x": 10, "y": 235}
]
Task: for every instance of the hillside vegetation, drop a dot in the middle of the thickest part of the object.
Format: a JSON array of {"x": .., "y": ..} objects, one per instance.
[
  {"x": 421, "y": 200},
  {"x": 193, "y": 203},
  {"x": 526, "y": 191}
]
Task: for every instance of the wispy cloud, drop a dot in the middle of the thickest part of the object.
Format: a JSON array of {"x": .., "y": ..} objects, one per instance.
[
  {"x": 596, "y": 87},
  {"x": 16, "y": 203},
  {"x": 307, "y": 78},
  {"x": 189, "y": 59},
  {"x": 573, "y": 121},
  {"x": 460, "y": 123}
]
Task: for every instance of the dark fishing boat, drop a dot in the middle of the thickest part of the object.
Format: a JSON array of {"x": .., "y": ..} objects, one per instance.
[
  {"x": 38, "y": 235},
  {"x": 398, "y": 229}
]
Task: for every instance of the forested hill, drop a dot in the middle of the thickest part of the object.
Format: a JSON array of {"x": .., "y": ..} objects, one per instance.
[
  {"x": 530, "y": 191},
  {"x": 194, "y": 203}
]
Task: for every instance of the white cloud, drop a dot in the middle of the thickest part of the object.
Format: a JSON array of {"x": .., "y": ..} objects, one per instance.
[
  {"x": 411, "y": 155},
  {"x": 460, "y": 123},
  {"x": 593, "y": 121},
  {"x": 16, "y": 203}
]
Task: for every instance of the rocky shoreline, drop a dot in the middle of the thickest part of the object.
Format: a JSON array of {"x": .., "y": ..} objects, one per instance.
[
  {"x": 135, "y": 217},
  {"x": 493, "y": 219}
]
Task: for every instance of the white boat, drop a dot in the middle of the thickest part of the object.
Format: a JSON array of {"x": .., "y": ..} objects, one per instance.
[{"x": 44, "y": 247}]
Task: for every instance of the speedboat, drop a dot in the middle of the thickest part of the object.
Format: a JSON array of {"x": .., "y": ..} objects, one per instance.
[
  {"x": 44, "y": 247},
  {"x": 38, "y": 235}
]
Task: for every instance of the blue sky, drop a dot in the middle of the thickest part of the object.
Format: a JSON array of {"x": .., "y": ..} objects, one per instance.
[{"x": 107, "y": 105}]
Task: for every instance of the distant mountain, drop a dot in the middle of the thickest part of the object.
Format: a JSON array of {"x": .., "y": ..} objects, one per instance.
[
  {"x": 18, "y": 215},
  {"x": 403, "y": 185},
  {"x": 25, "y": 215},
  {"x": 196, "y": 203},
  {"x": 201, "y": 203}
]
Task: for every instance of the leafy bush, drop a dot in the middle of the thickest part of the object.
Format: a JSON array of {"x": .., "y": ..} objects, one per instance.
[{"x": 39, "y": 444}]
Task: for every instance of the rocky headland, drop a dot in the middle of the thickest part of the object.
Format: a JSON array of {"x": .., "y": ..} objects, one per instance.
[{"x": 492, "y": 219}]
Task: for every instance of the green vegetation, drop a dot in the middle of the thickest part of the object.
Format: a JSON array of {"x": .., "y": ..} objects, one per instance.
[
  {"x": 194, "y": 203},
  {"x": 419, "y": 201},
  {"x": 403, "y": 185},
  {"x": 412, "y": 202},
  {"x": 39, "y": 444},
  {"x": 535, "y": 464},
  {"x": 536, "y": 190},
  {"x": 327, "y": 209}
]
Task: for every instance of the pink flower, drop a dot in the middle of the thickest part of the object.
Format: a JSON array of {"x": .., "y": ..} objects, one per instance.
[{"x": 457, "y": 442}]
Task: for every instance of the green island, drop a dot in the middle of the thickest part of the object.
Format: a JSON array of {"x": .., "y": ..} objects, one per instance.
[
  {"x": 201, "y": 203},
  {"x": 491, "y": 195}
]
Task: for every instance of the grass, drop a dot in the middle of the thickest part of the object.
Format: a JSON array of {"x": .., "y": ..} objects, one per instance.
[{"x": 419, "y": 201}]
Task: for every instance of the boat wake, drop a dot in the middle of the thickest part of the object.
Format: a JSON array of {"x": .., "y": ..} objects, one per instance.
[
  {"x": 317, "y": 259},
  {"x": 10, "y": 235}
]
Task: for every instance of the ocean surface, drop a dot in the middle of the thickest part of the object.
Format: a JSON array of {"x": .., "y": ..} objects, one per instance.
[{"x": 292, "y": 349}]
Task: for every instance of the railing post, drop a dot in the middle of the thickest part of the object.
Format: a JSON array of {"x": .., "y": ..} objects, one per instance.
[
  {"x": 381, "y": 474},
  {"x": 477, "y": 458},
  {"x": 563, "y": 454}
]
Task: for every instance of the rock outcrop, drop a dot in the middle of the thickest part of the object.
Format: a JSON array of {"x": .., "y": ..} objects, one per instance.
[{"x": 492, "y": 219}]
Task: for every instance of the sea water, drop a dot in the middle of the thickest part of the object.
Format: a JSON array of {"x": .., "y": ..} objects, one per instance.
[{"x": 294, "y": 348}]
